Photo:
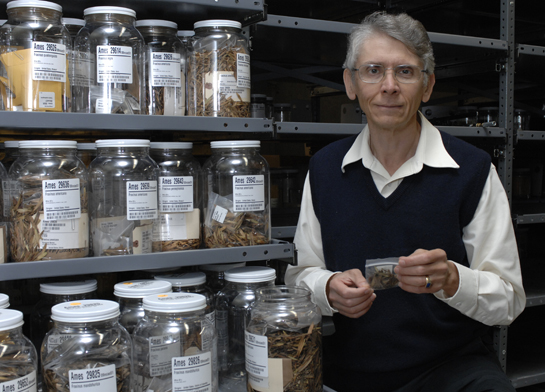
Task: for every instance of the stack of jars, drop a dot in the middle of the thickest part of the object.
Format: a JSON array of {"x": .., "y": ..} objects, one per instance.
[{"x": 109, "y": 62}]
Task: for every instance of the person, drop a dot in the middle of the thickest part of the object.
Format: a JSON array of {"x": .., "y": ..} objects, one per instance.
[{"x": 403, "y": 189}]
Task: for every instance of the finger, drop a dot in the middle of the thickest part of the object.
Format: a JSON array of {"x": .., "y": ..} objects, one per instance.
[{"x": 359, "y": 310}]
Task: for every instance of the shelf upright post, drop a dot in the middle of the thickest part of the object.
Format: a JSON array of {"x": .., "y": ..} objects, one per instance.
[{"x": 506, "y": 94}]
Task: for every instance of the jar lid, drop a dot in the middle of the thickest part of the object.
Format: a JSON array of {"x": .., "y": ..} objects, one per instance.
[
  {"x": 10, "y": 318},
  {"x": 252, "y": 274},
  {"x": 171, "y": 145},
  {"x": 217, "y": 23},
  {"x": 4, "y": 301},
  {"x": 141, "y": 288},
  {"x": 235, "y": 143},
  {"x": 67, "y": 288},
  {"x": 48, "y": 144},
  {"x": 221, "y": 267},
  {"x": 73, "y": 21},
  {"x": 11, "y": 144},
  {"x": 122, "y": 143},
  {"x": 156, "y": 23},
  {"x": 109, "y": 10},
  {"x": 34, "y": 3},
  {"x": 184, "y": 279},
  {"x": 185, "y": 33},
  {"x": 87, "y": 146},
  {"x": 174, "y": 303},
  {"x": 85, "y": 310}
]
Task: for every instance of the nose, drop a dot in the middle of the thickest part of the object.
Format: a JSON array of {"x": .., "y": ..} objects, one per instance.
[{"x": 389, "y": 82}]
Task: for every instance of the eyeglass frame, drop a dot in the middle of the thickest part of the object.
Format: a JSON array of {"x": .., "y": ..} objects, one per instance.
[{"x": 357, "y": 70}]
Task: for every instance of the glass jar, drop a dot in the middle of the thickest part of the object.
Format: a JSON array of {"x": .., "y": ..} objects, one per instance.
[
  {"x": 258, "y": 106},
  {"x": 5, "y": 199},
  {"x": 4, "y": 301},
  {"x": 269, "y": 107},
  {"x": 232, "y": 316},
  {"x": 51, "y": 295},
  {"x": 521, "y": 119},
  {"x": 123, "y": 195},
  {"x": 215, "y": 274},
  {"x": 187, "y": 38},
  {"x": 282, "y": 112},
  {"x": 34, "y": 52},
  {"x": 165, "y": 79},
  {"x": 18, "y": 357},
  {"x": 180, "y": 197},
  {"x": 174, "y": 349},
  {"x": 50, "y": 197},
  {"x": 284, "y": 341},
  {"x": 219, "y": 70},
  {"x": 488, "y": 116},
  {"x": 522, "y": 183},
  {"x": 130, "y": 295},
  {"x": 11, "y": 152},
  {"x": 236, "y": 195},
  {"x": 73, "y": 25},
  {"x": 193, "y": 282},
  {"x": 87, "y": 348},
  {"x": 108, "y": 63},
  {"x": 465, "y": 116},
  {"x": 87, "y": 152}
]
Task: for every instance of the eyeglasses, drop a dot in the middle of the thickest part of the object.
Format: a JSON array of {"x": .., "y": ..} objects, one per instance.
[{"x": 374, "y": 73}]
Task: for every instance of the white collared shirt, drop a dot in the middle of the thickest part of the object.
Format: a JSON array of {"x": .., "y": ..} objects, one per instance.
[{"x": 490, "y": 290}]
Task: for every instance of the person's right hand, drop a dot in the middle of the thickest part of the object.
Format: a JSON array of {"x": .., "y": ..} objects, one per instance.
[{"x": 350, "y": 294}]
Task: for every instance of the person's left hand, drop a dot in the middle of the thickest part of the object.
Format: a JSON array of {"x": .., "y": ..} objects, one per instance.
[{"x": 427, "y": 271}]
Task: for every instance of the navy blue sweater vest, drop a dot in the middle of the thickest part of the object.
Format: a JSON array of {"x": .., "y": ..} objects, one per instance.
[{"x": 428, "y": 210}]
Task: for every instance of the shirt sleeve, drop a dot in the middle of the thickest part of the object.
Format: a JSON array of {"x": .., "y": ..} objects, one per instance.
[
  {"x": 490, "y": 290},
  {"x": 310, "y": 270}
]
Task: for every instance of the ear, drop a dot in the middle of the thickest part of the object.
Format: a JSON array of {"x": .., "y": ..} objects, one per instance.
[
  {"x": 348, "y": 84},
  {"x": 429, "y": 88}
]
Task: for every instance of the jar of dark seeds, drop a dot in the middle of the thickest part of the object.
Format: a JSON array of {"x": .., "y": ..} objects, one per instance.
[
  {"x": 284, "y": 330},
  {"x": 87, "y": 348},
  {"x": 130, "y": 295},
  {"x": 232, "y": 315},
  {"x": 180, "y": 197},
  {"x": 18, "y": 357},
  {"x": 49, "y": 214},
  {"x": 219, "y": 70},
  {"x": 174, "y": 348},
  {"x": 237, "y": 197},
  {"x": 164, "y": 81}
]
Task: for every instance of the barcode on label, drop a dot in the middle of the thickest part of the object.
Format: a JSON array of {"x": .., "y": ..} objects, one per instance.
[{"x": 60, "y": 215}]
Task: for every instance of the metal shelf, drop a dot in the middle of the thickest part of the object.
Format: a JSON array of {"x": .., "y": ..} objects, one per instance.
[
  {"x": 535, "y": 298},
  {"x": 139, "y": 123},
  {"x": 529, "y": 218},
  {"x": 530, "y": 135},
  {"x": 526, "y": 370},
  {"x": 283, "y": 231},
  {"x": 88, "y": 265},
  {"x": 531, "y": 50}
]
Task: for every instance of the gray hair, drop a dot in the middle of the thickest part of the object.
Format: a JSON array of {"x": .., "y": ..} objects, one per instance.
[{"x": 401, "y": 27}]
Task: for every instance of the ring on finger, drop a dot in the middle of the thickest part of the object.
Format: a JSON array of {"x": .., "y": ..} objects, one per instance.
[{"x": 428, "y": 282}]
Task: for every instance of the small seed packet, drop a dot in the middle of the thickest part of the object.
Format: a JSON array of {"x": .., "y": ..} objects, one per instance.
[{"x": 380, "y": 273}]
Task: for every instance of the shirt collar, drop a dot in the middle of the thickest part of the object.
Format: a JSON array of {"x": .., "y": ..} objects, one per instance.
[{"x": 430, "y": 150}]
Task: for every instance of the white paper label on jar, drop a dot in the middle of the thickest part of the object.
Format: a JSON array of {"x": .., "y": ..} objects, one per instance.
[
  {"x": 179, "y": 226},
  {"x": 142, "y": 238},
  {"x": 46, "y": 100},
  {"x": 58, "y": 339},
  {"x": 3, "y": 244},
  {"x": 9, "y": 190},
  {"x": 103, "y": 105},
  {"x": 61, "y": 199},
  {"x": 97, "y": 379},
  {"x": 48, "y": 61},
  {"x": 165, "y": 69},
  {"x": 257, "y": 355},
  {"x": 219, "y": 214},
  {"x": 114, "y": 64},
  {"x": 161, "y": 350},
  {"x": 192, "y": 373},
  {"x": 23, "y": 384},
  {"x": 83, "y": 64},
  {"x": 66, "y": 233},
  {"x": 141, "y": 200},
  {"x": 249, "y": 193},
  {"x": 174, "y": 101},
  {"x": 243, "y": 71},
  {"x": 176, "y": 194},
  {"x": 225, "y": 82}
]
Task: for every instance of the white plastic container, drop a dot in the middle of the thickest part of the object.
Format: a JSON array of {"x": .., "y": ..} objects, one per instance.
[
  {"x": 130, "y": 295},
  {"x": 4, "y": 301}
]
